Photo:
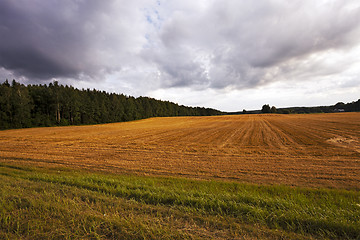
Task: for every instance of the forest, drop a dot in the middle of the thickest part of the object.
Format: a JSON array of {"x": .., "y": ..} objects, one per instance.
[
  {"x": 338, "y": 107},
  {"x": 54, "y": 104}
]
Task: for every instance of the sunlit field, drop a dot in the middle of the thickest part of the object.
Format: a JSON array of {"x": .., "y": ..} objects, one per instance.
[
  {"x": 317, "y": 150},
  {"x": 224, "y": 177}
]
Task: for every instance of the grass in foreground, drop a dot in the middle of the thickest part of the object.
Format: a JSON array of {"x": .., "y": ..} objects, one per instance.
[{"x": 38, "y": 203}]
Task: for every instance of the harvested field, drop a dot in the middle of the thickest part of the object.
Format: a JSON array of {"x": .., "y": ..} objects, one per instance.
[{"x": 317, "y": 150}]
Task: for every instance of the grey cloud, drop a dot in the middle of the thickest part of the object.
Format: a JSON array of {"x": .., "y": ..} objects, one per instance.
[
  {"x": 251, "y": 41},
  {"x": 65, "y": 38},
  {"x": 29, "y": 62},
  {"x": 197, "y": 44}
]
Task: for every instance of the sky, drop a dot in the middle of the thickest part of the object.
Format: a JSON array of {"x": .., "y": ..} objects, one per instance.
[{"x": 224, "y": 54}]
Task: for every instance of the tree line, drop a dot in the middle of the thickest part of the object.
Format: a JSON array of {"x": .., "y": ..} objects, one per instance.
[
  {"x": 338, "y": 107},
  {"x": 24, "y": 106}
]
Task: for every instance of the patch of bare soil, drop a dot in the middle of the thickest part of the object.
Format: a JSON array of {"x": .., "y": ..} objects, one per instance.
[{"x": 346, "y": 142}]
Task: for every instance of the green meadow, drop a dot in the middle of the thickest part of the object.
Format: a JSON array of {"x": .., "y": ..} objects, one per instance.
[{"x": 60, "y": 203}]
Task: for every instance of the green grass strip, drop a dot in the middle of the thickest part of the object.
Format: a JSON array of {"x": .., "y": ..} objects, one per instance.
[{"x": 325, "y": 213}]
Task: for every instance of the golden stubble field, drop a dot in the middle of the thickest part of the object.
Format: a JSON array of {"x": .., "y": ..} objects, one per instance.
[{"x": 317, "y": 150}]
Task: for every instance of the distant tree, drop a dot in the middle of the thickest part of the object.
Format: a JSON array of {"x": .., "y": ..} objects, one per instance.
[
  {"x": 340, "y": 104},
  {"x": 273, "y": 109},
  {"x": 286, "y": 111},
  {"x": 5, "y": 105},
  {"x": 21, "y": 105},
  {"x": 266, "y": 108}
]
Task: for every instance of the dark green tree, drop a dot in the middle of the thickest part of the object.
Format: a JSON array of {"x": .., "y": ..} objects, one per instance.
[
  {"x": 273, "y": 109},
  {"x": 266, "y": 108},
  {"x": 5, "y": 106}
]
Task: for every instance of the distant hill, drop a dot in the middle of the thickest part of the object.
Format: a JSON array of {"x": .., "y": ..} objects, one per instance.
[
  {"x": 53, "y": 105},
  {"x": 339, "y": 107}
]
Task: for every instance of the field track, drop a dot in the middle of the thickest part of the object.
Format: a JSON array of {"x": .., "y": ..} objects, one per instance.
[{"x": 316, "y": 150}]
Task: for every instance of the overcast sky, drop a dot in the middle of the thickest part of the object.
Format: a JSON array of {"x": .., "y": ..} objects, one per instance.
[{"x": 225, "y": 54}]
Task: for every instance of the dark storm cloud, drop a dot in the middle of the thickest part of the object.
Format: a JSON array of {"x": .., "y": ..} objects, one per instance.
[
  {"x": 62, "y": 38},
  {"x": 36, "y": 42},
  {"x": 29, "y": 62}
]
